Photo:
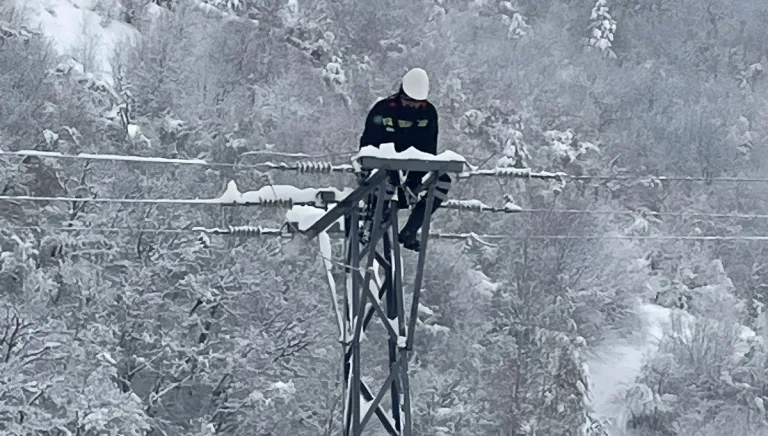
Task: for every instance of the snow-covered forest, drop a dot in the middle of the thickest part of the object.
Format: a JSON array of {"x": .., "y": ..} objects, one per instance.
[{"x": 626, "y": 299}]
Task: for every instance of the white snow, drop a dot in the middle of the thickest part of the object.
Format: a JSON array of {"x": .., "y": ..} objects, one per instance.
[
  {"x": 377, "y": 278},
  {"x": 435, "y": 328},
  {"x": 513, "y": 172},
  {"x": 108, "y": 357},
  {"x": 479, "y": 206},
  {"x": 214, "y": 12},
  {"x": 325, "y": 250},
  {"x": 466, "y": 204},
  {"x": 746, "y": 336},
  {"x": 50, "y": 137},
  {"x": 77, "y": 31},
  {"x": 387, "y": 151},
  {"x": 402, "y": 341},
  {"x": 133, "y": 131},
  {"x": 278, "y": 193},
  {"x": 284, "y": 388},
  {"x": 154, "y": 10},
  {"x": 396, "y": 325},
  {"x": 479, "y": 283},
  {"x": 425, "y": 310},
  {"x": 107, "y": 157},
  {"x": 364, "y": 406},
  {"x": 305, "y": 216},
  {"x": 616, "y": 365}
]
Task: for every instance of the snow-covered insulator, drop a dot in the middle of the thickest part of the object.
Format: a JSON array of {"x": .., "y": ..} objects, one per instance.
[
  {"x": 282, "y": 203},
  {"x": 311, "y": 167},
  {"x": 248, "y": 230},
  {"x": 314, "y": 167}
]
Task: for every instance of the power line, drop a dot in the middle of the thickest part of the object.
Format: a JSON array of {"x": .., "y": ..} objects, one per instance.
[
  {"x": 23, "y": 198},
  {"x": 311, "y": 167},
  {"x": 261, "y": 231},
  {"x": 173, "y": 201},
  {"x": 329, "y": 167},
  {"x": 672, "y": 178},
  {"x": 601, "y": 238},
  {"x": 462, "y": 205},
  {"x": 304, "y": 167},
  {"x": 640, "y": 213},
  {"x": 232, "y": 230}
]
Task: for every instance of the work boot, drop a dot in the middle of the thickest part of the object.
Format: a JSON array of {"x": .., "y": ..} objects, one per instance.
[{"x": 408, "y": 236}]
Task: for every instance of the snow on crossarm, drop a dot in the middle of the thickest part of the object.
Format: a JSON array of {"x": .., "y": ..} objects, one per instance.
[
  {"x": 387, "y": 151},
  {"x": 306, "y": 216}
]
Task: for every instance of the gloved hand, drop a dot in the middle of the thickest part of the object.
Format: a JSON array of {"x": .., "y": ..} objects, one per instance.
[
  {"x": 402, "y": 198},
  {"x": 362, "y": 175}
]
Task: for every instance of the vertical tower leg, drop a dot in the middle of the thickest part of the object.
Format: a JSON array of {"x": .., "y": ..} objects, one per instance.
[
  {"x": 360, "y": 292},
  {"x": 399, "y": 392},
  {"x": 362, "y": 303},
  {"x": 405, "y": 352},
  {"x": 352, "y": 362},
  {"x": 394, "y": 310}
]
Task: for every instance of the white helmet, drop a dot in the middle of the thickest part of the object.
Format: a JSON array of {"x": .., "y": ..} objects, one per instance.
[{"x": 416, "y": 84}]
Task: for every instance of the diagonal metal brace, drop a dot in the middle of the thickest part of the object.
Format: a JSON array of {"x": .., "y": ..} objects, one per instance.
[{"x": 350, "y": 201}]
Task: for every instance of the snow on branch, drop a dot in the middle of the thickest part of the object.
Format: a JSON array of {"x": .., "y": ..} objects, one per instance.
[
  {"x": 8, "y": 32},
  {"x": 603, "y": 29},
  {"x": 212, "y": 11}
]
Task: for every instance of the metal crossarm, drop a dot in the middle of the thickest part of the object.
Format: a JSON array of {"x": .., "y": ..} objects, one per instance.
[
  {"x": 372, "y": 296},
  {"x": 446, "y": 166},
  {"x": 344, "y": 206}
]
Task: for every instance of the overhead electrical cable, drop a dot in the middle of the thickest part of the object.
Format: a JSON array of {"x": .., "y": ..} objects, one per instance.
[
  {"x": 462, "y": 205},
  {"x": 262, "y": 231},
  {"x": 329, "y": 167}
]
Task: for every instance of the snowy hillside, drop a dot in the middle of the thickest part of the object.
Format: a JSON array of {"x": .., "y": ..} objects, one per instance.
[
  {"x": 616, "y": 155},
  {"x": 616, "y": 365},
  {"x": 88, "y": 31}
]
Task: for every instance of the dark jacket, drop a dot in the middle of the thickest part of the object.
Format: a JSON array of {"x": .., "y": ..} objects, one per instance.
[{"x": 390, "y": 121}]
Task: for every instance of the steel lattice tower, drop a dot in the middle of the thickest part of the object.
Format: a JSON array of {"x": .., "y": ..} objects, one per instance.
[{"x": 362, "y": 303}]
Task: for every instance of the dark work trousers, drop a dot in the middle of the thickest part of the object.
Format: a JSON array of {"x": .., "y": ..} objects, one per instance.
[{"x": 416, "y": 218}]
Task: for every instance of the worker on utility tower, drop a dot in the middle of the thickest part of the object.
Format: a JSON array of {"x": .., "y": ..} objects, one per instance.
[{"x": 407, "y": 119}]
